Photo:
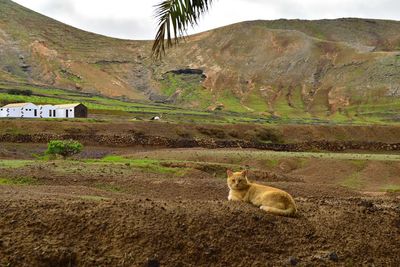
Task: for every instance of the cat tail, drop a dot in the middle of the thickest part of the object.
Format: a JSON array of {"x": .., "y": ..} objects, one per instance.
[{"x": 289, "y": 212}]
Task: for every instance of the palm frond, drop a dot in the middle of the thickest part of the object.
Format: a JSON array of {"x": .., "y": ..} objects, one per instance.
[{"x": 174, "y": 18}]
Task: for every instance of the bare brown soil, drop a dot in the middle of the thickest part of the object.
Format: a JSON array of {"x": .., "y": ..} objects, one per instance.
[{"x": 79, "y": 214}]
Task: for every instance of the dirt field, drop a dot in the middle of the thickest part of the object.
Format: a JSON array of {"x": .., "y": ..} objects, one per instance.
[{"x": 169, "y": 207}]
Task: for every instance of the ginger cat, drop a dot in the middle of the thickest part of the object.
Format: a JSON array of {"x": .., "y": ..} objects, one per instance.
[{"x": 269, "y": 199}]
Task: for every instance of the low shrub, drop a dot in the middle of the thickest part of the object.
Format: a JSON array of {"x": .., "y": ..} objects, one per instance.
[
  {"x": 212, "y": 132},
  {"x": 268, "y": 135},
  {"x": 19, "y": 92},
  {"x": 64, "y": 148}
]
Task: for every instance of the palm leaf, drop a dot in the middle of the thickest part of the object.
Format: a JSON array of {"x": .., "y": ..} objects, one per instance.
[{"x": 174, "y": 18}]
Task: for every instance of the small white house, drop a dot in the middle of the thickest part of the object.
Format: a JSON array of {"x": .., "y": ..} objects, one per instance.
[
  {"x": 19, "y": 110},
  {"x": 76, "y": 110},
  {"x": 29, "y": 110}
]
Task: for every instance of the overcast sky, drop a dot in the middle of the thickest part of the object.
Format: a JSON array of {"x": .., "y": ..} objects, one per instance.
[{"x": 134, "y": 19}]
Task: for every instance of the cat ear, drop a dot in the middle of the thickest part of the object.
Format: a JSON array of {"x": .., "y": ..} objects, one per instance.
[
  {"x": 245, "y": 173},
  {"x": 229, "y": 172}
]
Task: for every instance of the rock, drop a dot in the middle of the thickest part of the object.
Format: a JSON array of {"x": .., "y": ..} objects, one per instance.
[
  {"x": 153, "y": 263},
  {"x": 293, "y": 261},
  {"x": 333, "y": 256}
]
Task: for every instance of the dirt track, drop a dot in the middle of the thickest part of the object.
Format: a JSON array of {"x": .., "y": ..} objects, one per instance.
[{"x": 69, "y": 220}]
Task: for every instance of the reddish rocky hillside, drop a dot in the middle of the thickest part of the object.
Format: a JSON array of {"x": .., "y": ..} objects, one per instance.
[{"x": 342, "y": 68}]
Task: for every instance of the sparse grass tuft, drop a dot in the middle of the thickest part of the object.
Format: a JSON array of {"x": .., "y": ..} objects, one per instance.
[
  {"x": 14, "y": 163},
  {"x": 109, "y": 187},
  {"x": 353, "y": 181},
  {"x": 360, "y": 164},
  {"x": 392, "y": 188},
  {"x": 18, "y": 181},
  {"x": 272, "y": 163},
  {"x": 148, "y": 165}
]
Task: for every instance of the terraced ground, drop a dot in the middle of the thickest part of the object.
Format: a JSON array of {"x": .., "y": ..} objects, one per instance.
[{"x": 144, "y": 207}]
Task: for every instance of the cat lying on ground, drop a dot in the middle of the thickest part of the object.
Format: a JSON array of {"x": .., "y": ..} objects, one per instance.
[{"x": 269, "y": 199}]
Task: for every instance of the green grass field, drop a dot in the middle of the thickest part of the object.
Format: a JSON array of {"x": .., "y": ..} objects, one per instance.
[{"x": 104, "y": 107}]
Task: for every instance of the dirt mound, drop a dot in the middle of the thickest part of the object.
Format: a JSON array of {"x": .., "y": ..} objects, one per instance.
[
  {"x": 175, "y": 213},
  {"x": 59, "y": 232}
]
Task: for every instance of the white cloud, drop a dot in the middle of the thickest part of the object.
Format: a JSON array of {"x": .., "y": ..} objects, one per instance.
[{"x": 134, "y": 19}]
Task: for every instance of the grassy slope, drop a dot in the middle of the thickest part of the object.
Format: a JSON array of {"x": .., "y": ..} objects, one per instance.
[{"x": 105, "y": 108}]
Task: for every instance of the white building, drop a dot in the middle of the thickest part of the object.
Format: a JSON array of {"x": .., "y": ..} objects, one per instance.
[
  {"x": 19, "y": 110},
  {"x": 29, "y": 110},
  {"x": 75, "y": 110}
]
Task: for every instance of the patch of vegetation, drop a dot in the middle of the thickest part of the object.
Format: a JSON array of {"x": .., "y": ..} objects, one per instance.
[
  {"x": 19, "y": 92},
  {"x": 211, "y": 132},
  {"x": 70, "y": 76},
  {"x": 360, "y": 164},
  {"x": 188, "y": 89},
  {"x": 18, "y": 181},
  {"x": 231, "y": 102},
  {"x": 148, "y": 165},
  {"x": 64, "y": 148},
  {"x": 256, "y": 102},
  {"x": 182, "y": 133},
  {"x": 383, "y": 110},
  {"x": 14, "y": 163},
  {"x": 353, "y": 181},
  {"x": 268, "y": 135},
  {"x": 272, "y": 163},
  {"x": 236, "y": 112},
  {"x": 109, "y": 187},
  {"x": 283, "y": 109},
  {"x": 392, "y": 188}
]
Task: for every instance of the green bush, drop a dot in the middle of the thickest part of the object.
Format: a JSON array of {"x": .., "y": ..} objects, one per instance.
[
  {"x": 19, "y": 92},
  {"x": 65, "y": 148}
]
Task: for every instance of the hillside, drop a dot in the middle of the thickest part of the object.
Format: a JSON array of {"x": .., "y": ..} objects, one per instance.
[{"x": 342, "y": 69}]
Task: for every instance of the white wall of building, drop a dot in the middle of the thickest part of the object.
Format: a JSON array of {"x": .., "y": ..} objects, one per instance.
[
  {"x": 3, "y": 112},
  {"x": 47, "y": 111},
  {"x": 29, "y": 111},
  {"x": 14, "y": 112},
  {"x": 62, "y": 113}
]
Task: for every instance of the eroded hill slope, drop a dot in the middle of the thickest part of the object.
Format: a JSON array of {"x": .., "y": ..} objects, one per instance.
[{"x": 341, "y": 68}]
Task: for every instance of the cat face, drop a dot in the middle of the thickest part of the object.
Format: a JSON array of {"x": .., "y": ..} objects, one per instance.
[{"x": 237, "y": 180}]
